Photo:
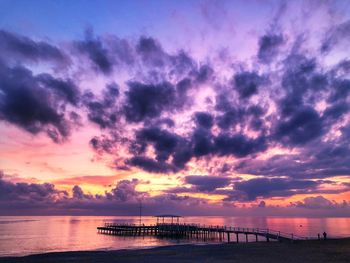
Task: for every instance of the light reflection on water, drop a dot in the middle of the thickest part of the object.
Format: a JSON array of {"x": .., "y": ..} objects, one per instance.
[{"x": 30, "y": 235}]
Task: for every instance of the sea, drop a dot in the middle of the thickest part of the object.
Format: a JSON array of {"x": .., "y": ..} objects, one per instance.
[{"x": 25, "y": 235}]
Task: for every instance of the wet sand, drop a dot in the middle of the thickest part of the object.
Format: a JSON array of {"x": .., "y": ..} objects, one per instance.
[{"x": 336, "y": 250}]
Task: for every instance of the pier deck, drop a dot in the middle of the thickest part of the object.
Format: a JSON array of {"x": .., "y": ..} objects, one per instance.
[{"x": 194, "y": 231}]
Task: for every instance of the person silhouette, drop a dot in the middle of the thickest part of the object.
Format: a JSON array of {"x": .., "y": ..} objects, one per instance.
[
  {"x": 319, "y": 236},
  {"x": 324, "y": 235}
]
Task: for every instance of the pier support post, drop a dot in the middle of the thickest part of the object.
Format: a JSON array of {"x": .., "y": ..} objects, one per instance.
[{"x": 237, "y": 237}]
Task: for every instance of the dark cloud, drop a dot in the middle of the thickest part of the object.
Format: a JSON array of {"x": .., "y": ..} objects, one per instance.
[
  {"x": 24, "y": 194},
  {"x": 302, "y": 127},
  {"x": 317, "y": 202},
  {"x": 207, "y": 183},
  {"x": 182, "y": 65},
  {"x": 317, "y": 160},
  {"x": 340, "y": 91},
  {"x": 237, "y": 116},
  {"x": 150, "y": 165},
  {"x": 312, "y": 163},
  {"x": 335, "y": 35},
  {"x": 264, "y": 187},
  {"x": 335, "y": 111},
  {"x": 102, "y": 144},
  {"x": 202, "y": 141},
  {"x": 20, "y": 48},
  {"x": 36, "y": 103},
  {"x": 78, "y": 193},
  {"x": 111, "y": 93},
  {"x": 181, "y": 149},
  {"x": 182, "y": 155},
  {"x": 151, "y": 51},
  {"x": 103, "y": 111},
  {"x": 125, "y": 190},
  {"x": 204, "y": 119},
  {"x": 161, "y": 65},
  {"x": 262, "y": 204},
  {"x": 228, "y": 119},
  {"x": 165, "y": 145},
  {"x": 268, "y": 47},
  {"x": 247, "y": 83},
  {"x": 205, "y": 72},
  {"x": 145, "y": 101},
  {"x": 95, "y": 50},
  {"x": 64, "y": 88},
  {"x": 239, "y": 145},
  {"x": 121, "y": 52},
  {"x": 163, "y": 141},
  {"x": 300, "y": 78}
]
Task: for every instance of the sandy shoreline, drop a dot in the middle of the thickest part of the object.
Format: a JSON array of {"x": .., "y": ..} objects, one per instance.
[{"x": 337, "y": 250}]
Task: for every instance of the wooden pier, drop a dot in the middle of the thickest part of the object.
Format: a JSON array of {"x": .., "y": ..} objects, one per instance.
[{"x": 195, "y": 231}]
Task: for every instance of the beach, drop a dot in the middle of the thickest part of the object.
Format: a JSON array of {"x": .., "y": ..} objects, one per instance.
[{"x": 335, "y": 250}]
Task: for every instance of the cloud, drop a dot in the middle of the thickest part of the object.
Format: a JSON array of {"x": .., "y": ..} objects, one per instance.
[
  {"x": 336, "y": 35},
  {"x": 79, "y": 194},
  {"x": 268, "y": 47},
  {"x": 163, "y": 141},
  {"x": 302, "y": 127},
  {"x": 151, "y": 51},
  {"x": 148, "y": 101},
  {"x": 94, "y": 49},
  {"x": 150, "y": 165},
  {"x": 104, "y": 180},
  {"x": 228, "y": 119},
  {"x": 15, "y": 47},
  {"x": 124, "y": 198},
  {"x": 36, "y": 103},
  {"x": 103, "y": 111},
  {"x": 239, "y": 116},
  {"x": 262, "y": 204},
  {"x": 336, "y": 111},
  {"x": 207, "y": 183},
  {"x": 300, "y": 76},
  {"x": 66, "y": 89},
  {"x": 265, "y": 187},
  {"x": 21, "y": 195},
  {"x": 168, "y": 112},
  {"x": 202, "y": 141},
  {"x": 239, "y": 145},
  {"x": 247, "y": 83},
  {"x": 318, "y": 202},
  {"x": 45, "y": 199},
  {"x": 125, "y": 190},
  {"x": 340, "y": 91},
  {"x": 204, "y": 119},
  {"x": 183, "y": 149}
]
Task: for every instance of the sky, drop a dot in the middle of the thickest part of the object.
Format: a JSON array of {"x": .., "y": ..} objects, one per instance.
[{"x": 188, "y": 107}]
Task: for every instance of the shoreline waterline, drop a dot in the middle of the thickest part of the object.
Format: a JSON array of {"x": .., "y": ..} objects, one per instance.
[{"x": 332, "y": 250}]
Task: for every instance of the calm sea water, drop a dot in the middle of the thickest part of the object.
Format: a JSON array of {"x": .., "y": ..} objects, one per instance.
[{"x": 35, "y": 234}]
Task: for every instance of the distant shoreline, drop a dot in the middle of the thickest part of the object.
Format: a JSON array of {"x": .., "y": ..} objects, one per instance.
[{"x": 333, "y": 250}]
